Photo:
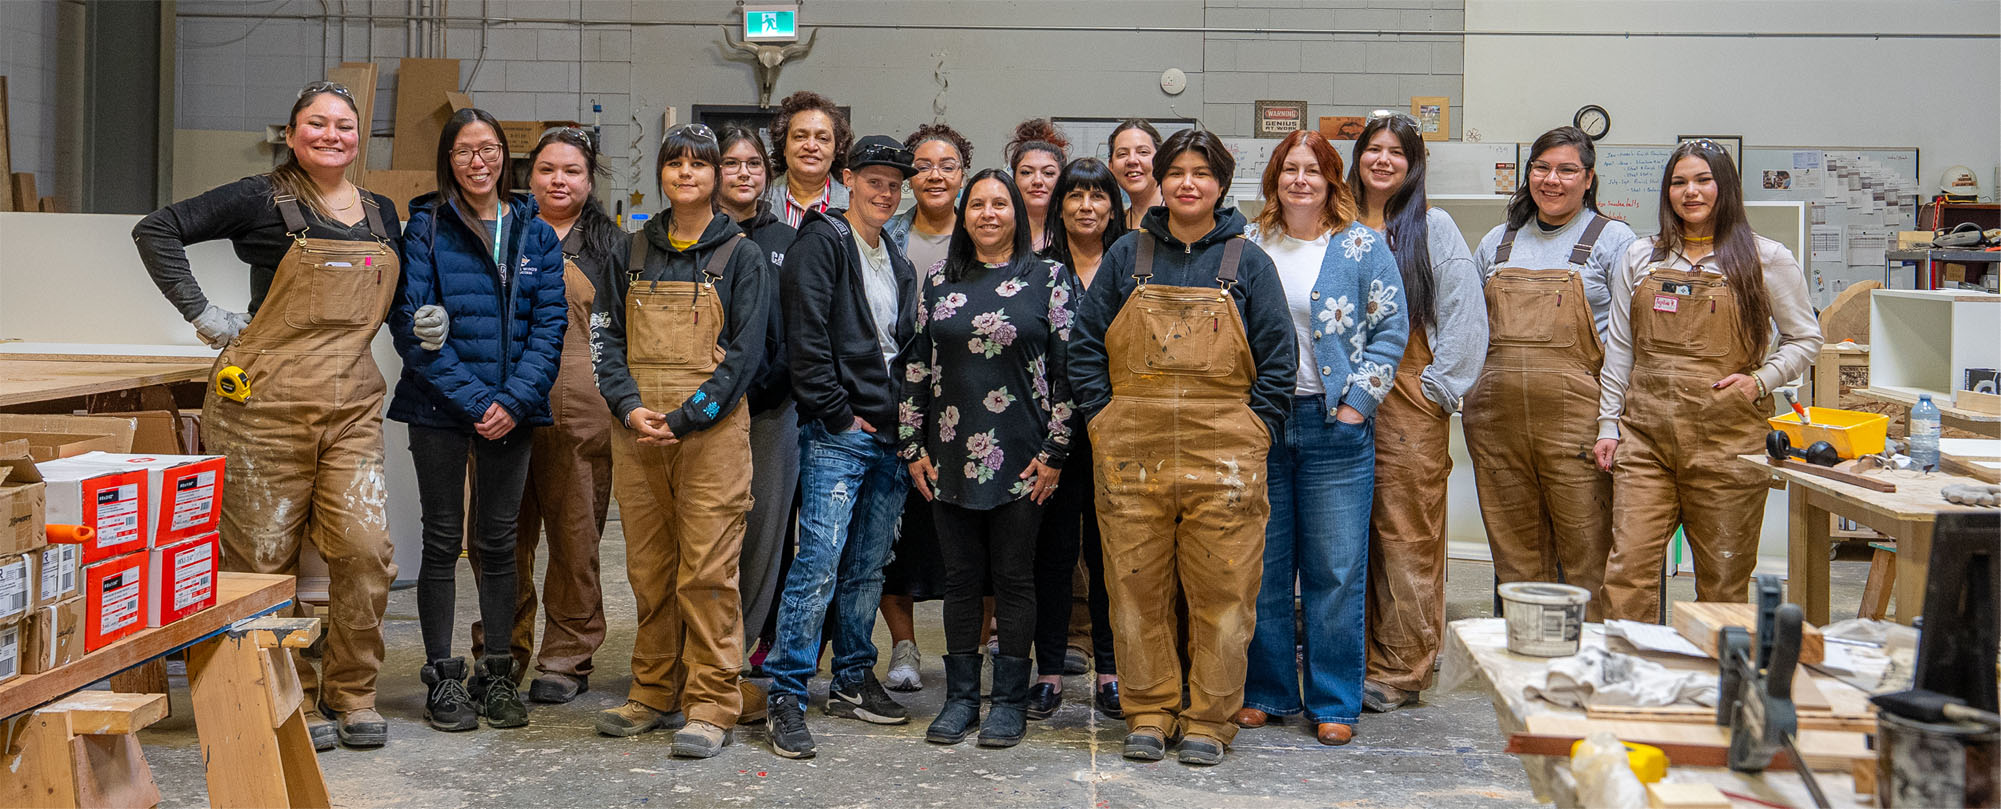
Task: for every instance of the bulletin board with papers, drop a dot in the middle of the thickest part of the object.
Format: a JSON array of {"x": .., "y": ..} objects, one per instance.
[{"x": 1857, "y": 200}]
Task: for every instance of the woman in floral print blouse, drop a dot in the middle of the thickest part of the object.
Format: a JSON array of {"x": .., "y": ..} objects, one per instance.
[{"x": 985, "y": 425}]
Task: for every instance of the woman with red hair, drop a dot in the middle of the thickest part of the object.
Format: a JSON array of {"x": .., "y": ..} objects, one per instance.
[{"x": 1346, "y": 298}]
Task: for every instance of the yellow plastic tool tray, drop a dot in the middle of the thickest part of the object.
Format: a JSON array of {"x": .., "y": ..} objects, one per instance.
[{"x": 1853, "y": 434}]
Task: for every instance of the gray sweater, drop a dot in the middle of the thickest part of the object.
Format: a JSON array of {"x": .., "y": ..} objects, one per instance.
[
  {"x": 1537, "y": 250},
  {"x": 1458, "y": 333}
]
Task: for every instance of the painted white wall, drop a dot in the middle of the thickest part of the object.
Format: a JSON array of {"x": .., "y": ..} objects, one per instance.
[
  {"x": 1942, "y": 96},
  {"x": 76, "y": 278}
]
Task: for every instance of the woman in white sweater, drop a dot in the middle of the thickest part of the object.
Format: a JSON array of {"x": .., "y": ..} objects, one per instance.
[{"x": 1690, "y": 364}]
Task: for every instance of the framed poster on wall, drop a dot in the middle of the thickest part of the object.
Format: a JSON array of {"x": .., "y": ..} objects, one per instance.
[
  {"x": 1277, "y": 119},
  {"x": 1434, "y": 116}
]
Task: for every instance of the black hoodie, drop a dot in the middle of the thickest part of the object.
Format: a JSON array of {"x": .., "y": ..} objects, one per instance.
[
  {"x": 830, "y": 339},
  {"x": 745, "y": 291},
  {"x": 773, "y": 386},
  {"x": 1260, "y": 300}
]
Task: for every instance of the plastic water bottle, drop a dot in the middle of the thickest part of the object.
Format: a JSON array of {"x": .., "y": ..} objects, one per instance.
[{"x": 1924, "y": 432}]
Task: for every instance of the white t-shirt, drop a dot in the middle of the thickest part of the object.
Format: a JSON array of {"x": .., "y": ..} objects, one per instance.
[
  {"x": 1298, "y": 269},
  {"x": 879, "y": 283}
]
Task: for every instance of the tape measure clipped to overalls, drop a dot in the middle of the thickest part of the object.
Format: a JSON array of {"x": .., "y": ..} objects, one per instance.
[{"x": 232, "y": 383}]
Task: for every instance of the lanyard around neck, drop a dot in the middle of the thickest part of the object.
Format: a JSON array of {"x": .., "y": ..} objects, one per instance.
[{"x": 499, "y": 231}]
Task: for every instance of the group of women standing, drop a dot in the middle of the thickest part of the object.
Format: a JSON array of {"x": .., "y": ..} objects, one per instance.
[{"x": 1106, "y": 362}]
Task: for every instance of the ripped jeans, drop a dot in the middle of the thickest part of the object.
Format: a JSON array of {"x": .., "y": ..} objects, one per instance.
[{"x": 852, "y": 491}]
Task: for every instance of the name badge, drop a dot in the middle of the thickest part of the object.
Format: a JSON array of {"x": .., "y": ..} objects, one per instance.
[{"x": 1666, "y": 303}]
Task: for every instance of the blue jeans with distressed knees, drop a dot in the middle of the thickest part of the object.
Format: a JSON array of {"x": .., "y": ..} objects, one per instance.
[
  {"x": 1321, "y": 487},
  {"x": 852, "y": 490}
]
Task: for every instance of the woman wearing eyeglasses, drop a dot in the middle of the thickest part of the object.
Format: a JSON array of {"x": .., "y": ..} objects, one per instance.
[
  {"x": 1348, "y": 317},
  {"x": 1088, "y": 215},
  {"x": 1130, "y": 155},
  {"x": 1448, "y": 342},
  {"x": 1689, "y": 372},
  {"x": 774, "y": 418},
  {"x": 304, "y": 450},
  {"x": 496, "y": 270},
  {"x": 1531, "y": 418},
  {"x": 813, "y": 140},
  {"x": 1182, "y": 364},
  {"x": 569, "y": 468},
  {"x": 1036, "y": 155},
  {"x": 678, "y": 345},
  {"x": 916, "y": 570}
]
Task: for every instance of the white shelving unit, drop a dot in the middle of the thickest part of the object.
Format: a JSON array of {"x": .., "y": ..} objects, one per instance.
[{"x": 1922, "y": 341}]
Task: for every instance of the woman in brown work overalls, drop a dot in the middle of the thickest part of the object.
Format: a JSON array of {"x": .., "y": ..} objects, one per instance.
[
  {"x": 679, "y": 337},
  {"x": 1689, "y": 370},
  {"x": 1183, "y": 366}
]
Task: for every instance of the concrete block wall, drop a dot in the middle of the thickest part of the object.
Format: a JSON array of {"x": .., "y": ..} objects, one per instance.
[
  {"x": 28, "y": 60},
  {"x": 240, "y": 74}
]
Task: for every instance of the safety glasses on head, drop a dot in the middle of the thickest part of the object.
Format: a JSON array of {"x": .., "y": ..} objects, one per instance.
[
  {"x": 696, "y": 131},
  {"x": 326, "y": 87},
  {"x": 1398, "y": 115},
  {"x": 577, "y": 133},
  {"x": 883, "y": 153}
]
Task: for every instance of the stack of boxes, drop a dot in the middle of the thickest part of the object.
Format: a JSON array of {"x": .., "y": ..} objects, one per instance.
[{"x": 151, "y": 557}]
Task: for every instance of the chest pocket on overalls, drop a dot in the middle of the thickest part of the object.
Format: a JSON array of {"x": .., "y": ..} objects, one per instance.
[
  {"x": 1523, "y": 311},
  {"x": 667, "y": 328},
  {"x": 1690, "y": 315},
  {"x": 342, "y": 280},
  {"x": 1182, "y": 339}
]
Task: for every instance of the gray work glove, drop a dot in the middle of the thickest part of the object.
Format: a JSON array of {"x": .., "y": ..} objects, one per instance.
[
  {"x": 217, "y": 326},
  {"x": 1972, "y": 494},
  {"x": 431, "y": 325}
]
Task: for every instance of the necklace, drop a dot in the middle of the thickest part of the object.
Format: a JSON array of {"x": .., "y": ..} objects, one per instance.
[
  {"x": 1698, "y": 239},
  {"x": 356, "y": 200}
]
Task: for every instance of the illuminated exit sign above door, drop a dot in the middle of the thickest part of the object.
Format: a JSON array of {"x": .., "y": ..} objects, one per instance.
[{"x": 771, "y": 22}]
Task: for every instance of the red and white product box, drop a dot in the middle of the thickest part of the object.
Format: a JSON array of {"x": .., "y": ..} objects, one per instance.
[
  {"x": 60, "y": 568},
  {"x": 180, "y": 579},
  {"x": 114, "y": 600},
  {"x": 183, "y": 492},
  {"x": 109, "y": 500}
]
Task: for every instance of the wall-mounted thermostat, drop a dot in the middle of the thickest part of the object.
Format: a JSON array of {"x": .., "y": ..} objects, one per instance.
[{"x": 1173, "y": 81}]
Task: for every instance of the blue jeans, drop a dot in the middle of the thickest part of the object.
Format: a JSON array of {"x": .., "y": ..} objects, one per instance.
[
  {"x": 852, "y": 488},
  {"x": 1321, "y": 488}
]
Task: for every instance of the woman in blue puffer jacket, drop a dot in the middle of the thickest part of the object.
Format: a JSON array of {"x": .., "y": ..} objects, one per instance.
[{"x": 481, "y": 269}]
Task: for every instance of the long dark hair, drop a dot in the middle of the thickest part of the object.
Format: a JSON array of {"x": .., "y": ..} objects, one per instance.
[
  {"x": 290, "y": 177},
  {"x": 961, "y": 257},
  {"x": 594, "y": 222},
  {"x": 448, "y": 182},
  {"x": 1736, "y": 245},
  {"x": 1403, "y": 214},
  {"x": 1522, "y": 207},
  {"x": 1082, "y": 174},
  {"x": 1141, "y": 124}
]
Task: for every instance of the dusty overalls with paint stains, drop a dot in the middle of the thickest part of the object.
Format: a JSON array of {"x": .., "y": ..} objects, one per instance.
[
  {"x": 1531, "y": 420},
  {"x": 1180, "y": 464},
  {"x": 304, "y": 451},
  {"x": 1679, "y": 441}
]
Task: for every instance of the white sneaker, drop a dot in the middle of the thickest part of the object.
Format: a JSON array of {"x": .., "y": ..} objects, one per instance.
[{"x": 903, "y": 667}]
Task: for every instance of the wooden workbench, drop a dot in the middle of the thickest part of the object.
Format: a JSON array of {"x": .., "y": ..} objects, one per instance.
[
  {"x": 1476, "y": 653},
  {"x": 1972, "y": 421},
  {"x": 1906, "y": 514},
  {"x": 44, "y": 372}
]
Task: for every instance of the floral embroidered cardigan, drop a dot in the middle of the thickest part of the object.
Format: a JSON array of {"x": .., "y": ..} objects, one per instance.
[
  {"x": 985, "y": 387},
  {"x": 1359, "y": 327}
]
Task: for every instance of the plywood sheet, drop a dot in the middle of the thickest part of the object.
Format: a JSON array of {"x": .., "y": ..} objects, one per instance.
[{"x": 421, "y": 110}]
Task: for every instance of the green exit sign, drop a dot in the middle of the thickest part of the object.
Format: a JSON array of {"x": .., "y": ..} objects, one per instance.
[{"x": 771, "y": 22}]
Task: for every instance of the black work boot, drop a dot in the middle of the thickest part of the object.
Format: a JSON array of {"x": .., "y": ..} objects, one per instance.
[
  {"x": 498, "y": 701},
  {"x": 961, "y": 713},
  {"x": 1007, "y": 721},
  {"x": 448, "y": 706}
]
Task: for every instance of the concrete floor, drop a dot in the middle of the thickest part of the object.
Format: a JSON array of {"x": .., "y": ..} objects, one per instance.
[{"x": 1445, "y": 752}]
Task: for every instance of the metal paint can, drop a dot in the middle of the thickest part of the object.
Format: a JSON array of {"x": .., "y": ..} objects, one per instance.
[
  {"x": 1545, "y": 619},
  {"x": 1935, "y": 764}
]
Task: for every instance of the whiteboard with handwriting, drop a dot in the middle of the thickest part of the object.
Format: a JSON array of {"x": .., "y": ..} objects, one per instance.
[{"x": 1629, "y": 184}]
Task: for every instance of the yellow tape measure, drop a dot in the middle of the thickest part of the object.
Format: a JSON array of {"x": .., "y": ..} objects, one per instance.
[{"x": 232, "y": 383}]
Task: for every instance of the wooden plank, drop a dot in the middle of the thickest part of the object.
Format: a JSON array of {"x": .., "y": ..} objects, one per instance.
[
  {"x": 51, "y": 205},
  {"x": 1850, "y": 478},
  {"x": 1978, "y": 470},
  {"x": 1823, "y": 749},
  {"x": 1977, "y": 402},
  {"x": 1916, "y": 500},
  {"x": 27, "y": 381},
  {"x": 1987, "y": 424},
  {"x": 1698, "y": 621},
  {"x": 37, "y": 762},
  {"x": 421, "y": 110},
  {"x": 305, "y": 783},
  {"x": 26, "y": 198},
  {"x": 1809, "y": 719},
  {"x": 100, "y": 713},
  {"x": 149, "y": 677},
  {"x": 1847, "y": 318},
  {"x": 6, "y": 156},
  {"x": 238, "y": 596},
  {"x": 401, "y": 186},
  {"x": 232, "y": 712},
  {"x": 112, "y": 771},
  {"x": 359, "y": 78}
]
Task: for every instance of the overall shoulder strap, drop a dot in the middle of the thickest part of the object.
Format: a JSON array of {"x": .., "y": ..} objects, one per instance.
[
  {"x": 1143, "y": 262},
  {"x": 1507, "y": 247},
  {"x": 295, "y": 219},
  {"x": 573, "y": 244},
  {"x": 1233, "y": 254},
  {"x": 375, "y": 227},
  {"x": 719, "y": 260},
  {"x": 636, "y": 262},
  {"x": 1580, "y": 254}
]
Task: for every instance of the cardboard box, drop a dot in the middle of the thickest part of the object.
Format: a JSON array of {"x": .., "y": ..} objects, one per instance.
[
  {"x": 522, "y": 135},
  {"x": 180, "y": 579},
  {"x": 183, "y": 494},
  {"x": 108, "y": 500},
  {"x": 23, "y": 506},
  {"x": 52, "y": 437},
  {"x": 59, "y": 567},
  {"x": 10, "y": 651},
  {"x": 17, "y": 587},
  {"x": 114, "y": 600},
  {"x": 53, "y": 637},
  {"x": 163, "y": 432}
]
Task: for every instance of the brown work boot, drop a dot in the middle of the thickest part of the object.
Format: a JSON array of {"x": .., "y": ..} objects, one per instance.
[
  {"x": 634, "y": 718},
  {"x": 321, "y": 730},
  {"x": 1251, "y": 718},
  {"x": 699, "y": 739},
  {"x": 1381, "y": 698},
  {"x": 1335, "y": 734},
  {"x": 361, "y": 727},
  {"x": 754, "y": 698}
]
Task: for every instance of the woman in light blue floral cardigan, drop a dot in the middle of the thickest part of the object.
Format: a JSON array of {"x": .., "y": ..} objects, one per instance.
[{"x": 1346, "y": 297}]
